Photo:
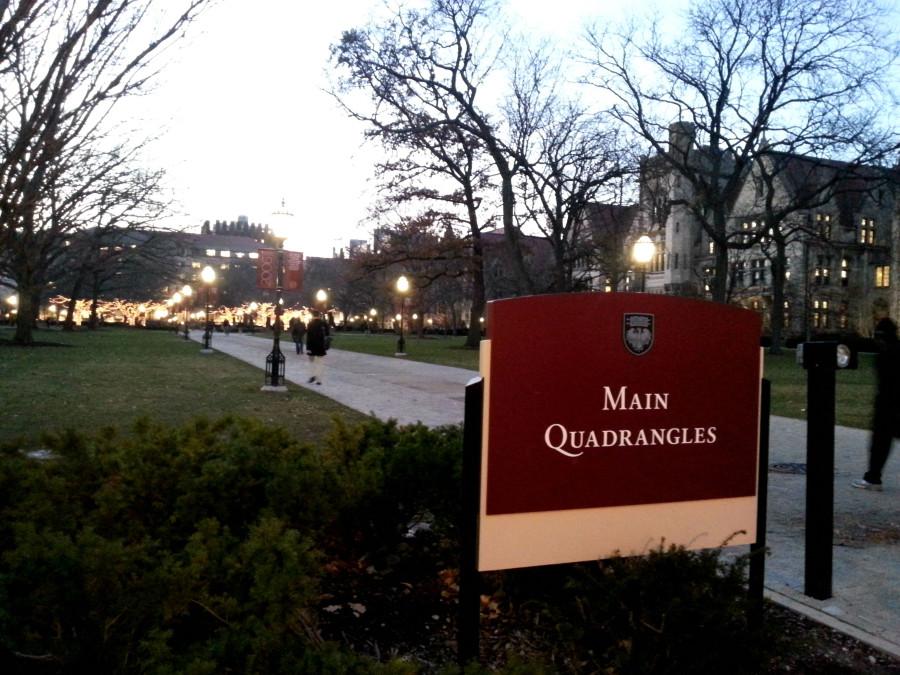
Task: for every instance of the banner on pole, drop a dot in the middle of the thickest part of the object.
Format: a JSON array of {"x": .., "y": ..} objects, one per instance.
[
  {"x": 267, "y": 269},
  {"x": 293, "y": 271}
]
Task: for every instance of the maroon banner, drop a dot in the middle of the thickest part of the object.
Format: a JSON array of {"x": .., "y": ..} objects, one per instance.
[
  {"x": 267, "y": 269},
  {"x": 599, "y": 400},
  {"x": 293, "y": 271}
]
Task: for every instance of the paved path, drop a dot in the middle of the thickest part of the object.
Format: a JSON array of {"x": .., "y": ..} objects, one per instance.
[{"x": 866, "y": 579}]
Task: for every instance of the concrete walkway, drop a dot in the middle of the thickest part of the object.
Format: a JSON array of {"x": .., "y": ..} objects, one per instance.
[{"x": 866, "y": 577}]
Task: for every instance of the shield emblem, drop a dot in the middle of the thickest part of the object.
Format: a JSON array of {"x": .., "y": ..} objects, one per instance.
[{"x": 637, "y": 333}]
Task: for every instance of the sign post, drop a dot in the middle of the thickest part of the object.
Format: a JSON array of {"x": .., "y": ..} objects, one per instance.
[{"x": 641, "y": 423}]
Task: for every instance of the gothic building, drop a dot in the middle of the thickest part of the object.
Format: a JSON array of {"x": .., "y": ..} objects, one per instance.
[{"x": 836, "y": 243}]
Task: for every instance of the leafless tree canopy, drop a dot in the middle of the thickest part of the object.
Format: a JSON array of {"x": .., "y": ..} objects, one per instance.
[{"x": 66, "y": 63}]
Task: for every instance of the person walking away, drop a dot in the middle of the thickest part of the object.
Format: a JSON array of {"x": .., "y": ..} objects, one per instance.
[
  {"x": 316, "y": 346},
  {"x": 298, "y": 330},
  {"x": 886, "y": 417}
]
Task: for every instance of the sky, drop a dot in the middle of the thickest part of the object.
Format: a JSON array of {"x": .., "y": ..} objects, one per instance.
[{"x": 243, "y": 121}]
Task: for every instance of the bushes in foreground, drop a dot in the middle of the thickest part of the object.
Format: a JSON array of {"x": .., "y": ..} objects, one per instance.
[{"x": 204, "y": 549}]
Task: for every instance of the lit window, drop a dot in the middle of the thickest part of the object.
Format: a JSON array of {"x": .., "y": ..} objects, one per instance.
[
  {"x": 845, "y": 272},
  {"x": 823, "y": 223},
  {"x": 240, "y": 254},
  {"x": 867, "y": 231},
  {"x": 253, "y": 256},
  {"x": 712, "y": 248},
  {"x": 883, "y": 276},
  {"x": 225, "y": 254},
  {"x": 211, "y": 252}
]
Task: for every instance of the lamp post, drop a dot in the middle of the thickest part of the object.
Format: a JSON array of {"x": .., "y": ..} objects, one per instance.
[
  {"x": 402, "y": 289},
  {"x": 274, "y": 378},
  {"x": 372, "y": 314},
  {"x": 208, "y": 277},
  {"x": 176, "y": 305},
  {"x": 642, "y": 253},
  {"x": 186, "y": 293}
]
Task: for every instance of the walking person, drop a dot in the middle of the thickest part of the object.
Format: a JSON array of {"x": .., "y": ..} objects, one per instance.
[
  {"x": 316, "y": 345},
  {"x": 886, "y": 417},
  {"x": 298, "y": 330}
]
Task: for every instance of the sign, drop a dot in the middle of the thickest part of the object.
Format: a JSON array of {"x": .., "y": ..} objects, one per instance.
[
  {"x": 613, "y": 421},
  {"x": 267, "y": 269},
  {"x": 293, "y": 271}
]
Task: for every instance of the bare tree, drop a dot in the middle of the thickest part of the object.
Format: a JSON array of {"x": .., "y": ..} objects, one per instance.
[
  {"x": 425, "y": 70},
  {"x": 568, "y": 160},
  {"x": 744, "y": 71},
  {"x": 69, "y": 63}
]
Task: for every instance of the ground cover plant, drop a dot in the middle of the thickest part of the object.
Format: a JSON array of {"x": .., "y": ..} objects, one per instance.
[{"x": 207, "y": 545}]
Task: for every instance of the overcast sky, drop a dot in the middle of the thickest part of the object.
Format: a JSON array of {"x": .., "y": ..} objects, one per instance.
[{"x": 245, "y": 123}]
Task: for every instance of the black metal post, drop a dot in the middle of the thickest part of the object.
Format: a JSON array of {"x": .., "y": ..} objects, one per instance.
[
  {"x": 207, "y": 334},
  {"x": 401, "y": 343},
  {"x": 275, "y": 360},
  {"x": 186, "y": 336},
  {"x": 820, "y": 361},
  {"x": 757, "y": 572},
  {"x": 469, "y": 578}
]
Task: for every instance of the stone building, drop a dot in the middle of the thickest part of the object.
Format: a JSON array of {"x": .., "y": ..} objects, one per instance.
[{"x": 839, "y": 235}]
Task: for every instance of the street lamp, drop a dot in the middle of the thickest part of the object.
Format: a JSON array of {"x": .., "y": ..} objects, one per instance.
[
  {"x": 642, "y": 253},
  {"x": 274, "y": 377},
  {"x": 186, "y": 292},
  {"x": 321, "y": 298},
  {"x": 402, "y": 289},
  {"x": 208, "y": 277}
]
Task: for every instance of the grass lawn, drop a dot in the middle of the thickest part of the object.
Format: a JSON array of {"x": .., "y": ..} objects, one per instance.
[
  {"x": 114, "y": 376},
  {"x": 111, "y": 377},
  {"x": 855, "y": 389},
  {"x": 445, "y": 351}
]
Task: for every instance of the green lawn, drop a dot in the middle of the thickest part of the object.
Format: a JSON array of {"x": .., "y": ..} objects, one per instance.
[
  {"x": 86, "y": 380},
  {"x": 855, "y": 389},
  {"x": 446, "y": 351},
  {"x": 113, "y": 376}
]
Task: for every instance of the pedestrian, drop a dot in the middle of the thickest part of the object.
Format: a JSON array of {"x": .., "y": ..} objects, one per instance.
[
  {"x": 886, "y": 416},
  {"x": 298, "y": 330},
  {"x": 316, "y": 345}
]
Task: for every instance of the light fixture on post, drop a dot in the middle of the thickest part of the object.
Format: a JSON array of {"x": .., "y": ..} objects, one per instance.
[
  {"x": 186, "y": 293},
  {"x": 275, "y": 362},
  {"x": 176, "y": 306},
  {"x": 642, "y": 253},
  {"x": 208, "y": 277},
  {"x": 403, "y": 290}
]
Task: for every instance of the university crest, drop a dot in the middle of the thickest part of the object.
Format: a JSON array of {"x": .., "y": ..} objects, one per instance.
[{"x": 637, "y": 333}]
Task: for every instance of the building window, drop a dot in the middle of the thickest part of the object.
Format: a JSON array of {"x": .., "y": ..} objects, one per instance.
[
  {"x": 823, "y": 225},
  {"x": 712, "y": 247},
  {"x": 823, "y": 271},
  {"x": 845, "y": 272},
  {"x": 739, "y": 272},
  {"x": 883, "y": 276},
  {"x": 758, "y": 272},
  {"x": 820, "y": 314},
  {"x": 225, "y": 254},
  {"x": 211, "y": 252},
  {"x": 253, "y": 256},
  {"x": 867, "y": 231}
]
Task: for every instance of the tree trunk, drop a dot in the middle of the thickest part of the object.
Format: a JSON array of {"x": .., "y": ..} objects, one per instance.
[
  {"x": 776, "y": 317},
  {"x": 473, "y": 339},
  {"x": 512, "y": 236},
  {"x": 69, "y": 323},
  {"x": 25, "y": 316}
]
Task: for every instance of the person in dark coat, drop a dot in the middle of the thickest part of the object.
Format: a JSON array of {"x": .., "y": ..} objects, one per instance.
[
  {"x": 316, "y": 345},
  {"x": 886, "y": 417},
  {"x": 298, "y": 331}
]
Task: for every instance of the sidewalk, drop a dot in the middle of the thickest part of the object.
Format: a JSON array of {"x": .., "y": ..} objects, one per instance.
[{"x": 866, "y": 569}]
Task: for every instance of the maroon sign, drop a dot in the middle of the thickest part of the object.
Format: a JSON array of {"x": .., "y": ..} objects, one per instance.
[
  {"x": 598, "y": 400},
  {"x": 293, "y": 271},
  {"x": 267, "y": 269}
]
